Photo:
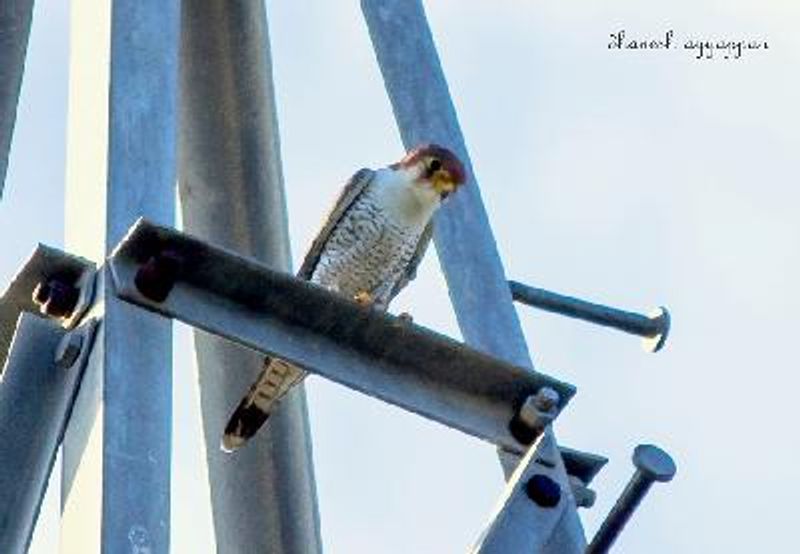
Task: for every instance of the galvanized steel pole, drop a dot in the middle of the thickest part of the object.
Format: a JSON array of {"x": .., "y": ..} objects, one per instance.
[
  {"x": 467, "y": 251},
  {"x": 231, "y": 186},
  {"x": 121, "y": 164},
  {"x": 15, "y": 25}
]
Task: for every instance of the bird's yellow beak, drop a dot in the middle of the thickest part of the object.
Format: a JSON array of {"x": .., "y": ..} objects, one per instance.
[{"x": 443, "y": 182}]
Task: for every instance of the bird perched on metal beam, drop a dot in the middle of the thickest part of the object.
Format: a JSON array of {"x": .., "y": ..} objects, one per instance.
[{"x": 368, "y": 250}]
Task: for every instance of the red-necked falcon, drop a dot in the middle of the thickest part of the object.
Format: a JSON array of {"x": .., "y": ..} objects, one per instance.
[{"x": 368, "y": 250}]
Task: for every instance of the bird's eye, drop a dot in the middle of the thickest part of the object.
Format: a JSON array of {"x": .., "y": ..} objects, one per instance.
[{"x": 435, "y": 165}]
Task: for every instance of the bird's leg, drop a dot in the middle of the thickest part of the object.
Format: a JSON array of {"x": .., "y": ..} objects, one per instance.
[{"x": 363, "y": 298}]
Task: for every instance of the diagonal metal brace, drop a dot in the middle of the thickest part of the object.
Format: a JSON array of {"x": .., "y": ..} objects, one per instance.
[
  {"x": 39, "y": 383},
  {"x": 532, "y": 495},
  {"x": 372, "y": 352}
]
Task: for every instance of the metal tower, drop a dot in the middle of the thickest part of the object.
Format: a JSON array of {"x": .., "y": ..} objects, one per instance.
[{"x": 166, "y": 92}]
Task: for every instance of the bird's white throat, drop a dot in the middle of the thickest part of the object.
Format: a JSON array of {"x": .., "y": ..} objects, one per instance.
[{"x": 406, "y": 201}]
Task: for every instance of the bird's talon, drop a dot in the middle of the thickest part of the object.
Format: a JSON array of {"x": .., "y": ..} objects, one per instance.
[
  {"x": 363, "y": 298},
  {"x": 405, "y": 317}
]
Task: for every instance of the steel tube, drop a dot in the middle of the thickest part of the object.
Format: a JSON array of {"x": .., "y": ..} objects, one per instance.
[
  {"x": 652, "y": 465},
  {"x": 231, "y": 194},
  {"x": 476, "y": 280},
  {"x": 629, "y": 322},
  {"x": 15, "y": 25},
  {"x": 122, "y": 160}
]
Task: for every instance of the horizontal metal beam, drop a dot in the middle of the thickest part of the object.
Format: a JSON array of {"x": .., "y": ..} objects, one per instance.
[
  {"x": 40, "y": 379},
  {"x": 45, "y": 265},
  {"x": 369, "y": 351},
  {"x": 532, "y": 494},
  {"x": 15, "y": 27}
]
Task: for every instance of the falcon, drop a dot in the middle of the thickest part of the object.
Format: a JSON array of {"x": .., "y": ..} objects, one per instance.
[{"x": 368, "y": 250}]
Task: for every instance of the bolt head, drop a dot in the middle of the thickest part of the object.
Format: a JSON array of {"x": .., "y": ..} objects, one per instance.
[
  {"x": 543, "y": 490},
  {"x": 157, "y": 276},
  {"x": 55, "y": 298},
  {"x": 654, "y": 463},
  {"x": 656, "y": 343},
  {"x": 41, "y": 293},
  {"x": 68, "y": 350}
]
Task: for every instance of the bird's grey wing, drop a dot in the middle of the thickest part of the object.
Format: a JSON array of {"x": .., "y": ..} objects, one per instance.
[
  {"x": 410, "y": 272},
  {"x": 352, "y": 190}
]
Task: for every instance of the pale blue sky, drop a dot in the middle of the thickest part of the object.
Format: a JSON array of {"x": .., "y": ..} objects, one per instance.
[{"x": 632, "y": 178}]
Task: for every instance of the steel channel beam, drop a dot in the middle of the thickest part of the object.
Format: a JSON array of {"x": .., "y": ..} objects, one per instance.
[
  {"x": 424, "y": 112},
  {"x": 122, "y": 161},
  {"x": 367, "y": 350},
  {"x": 15, "y": 26},
  {"x": 35, "y": 402},
  {"x": 231, "y": 194},
  {"x": 45, "y": 264}
]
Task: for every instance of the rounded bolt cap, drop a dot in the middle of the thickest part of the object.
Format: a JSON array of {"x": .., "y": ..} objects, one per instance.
[
  {"x": 654, "y": 463},
  {"x": 655, "y": 343},
  {"x": 68, "y": 350},
  {"x": 543, "y": 491}
]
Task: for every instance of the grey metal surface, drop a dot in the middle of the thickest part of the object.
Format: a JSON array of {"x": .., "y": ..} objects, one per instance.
[
  {"x": 652, "y": 465},
  {"x": 583, "y": 465},
  {"x": 655, "y": 327},
  {"x": 370, "y": 351},
  {"x": 424, "y": 112},
  {"x": 15, "y": 25},
  {"x": 43, "y": 265},
  {"x": 130, "y": 366},
  {"x": 513, "y": 524},
  {"x": 231, "y": 193},
  {"x": 35, "y": 403}
]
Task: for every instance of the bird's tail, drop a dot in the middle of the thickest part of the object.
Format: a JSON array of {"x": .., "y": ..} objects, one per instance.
[{"x": 275, "y": 380}]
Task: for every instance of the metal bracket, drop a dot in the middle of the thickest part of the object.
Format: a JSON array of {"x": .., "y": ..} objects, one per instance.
[
  {"x": 372, "y": 352},
  {"x": 581, "y": 468},
  {"x": 73, "y": 277},
  {"x": 40, "y": 379}
]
